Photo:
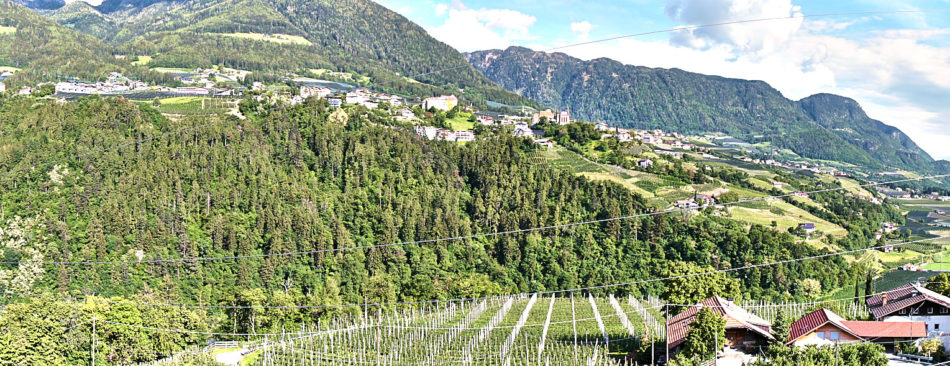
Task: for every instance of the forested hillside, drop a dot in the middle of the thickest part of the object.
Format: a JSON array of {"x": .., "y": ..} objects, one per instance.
[{"x": 822, "y": 127}]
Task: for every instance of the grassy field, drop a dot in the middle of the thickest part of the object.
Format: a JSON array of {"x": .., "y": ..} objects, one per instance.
[
  {"x": 143, "y": 60},
  {"x": 7, "y": 30},
  {"x": 8, "y": 68},
  {"x": 784, "y": 214},
  {"x": 460, "y": 122},
  {"x": 173, "y": 70},
  {"x": 276, "y": 38}
]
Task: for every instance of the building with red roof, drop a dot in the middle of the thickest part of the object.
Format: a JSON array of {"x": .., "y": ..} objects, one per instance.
[
  {"x": 742, "y": 328},
  {"x": 824, "y": 327}
]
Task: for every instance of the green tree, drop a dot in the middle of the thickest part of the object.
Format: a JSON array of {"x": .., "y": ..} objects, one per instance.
[
  {"x": 688, "y": 288},
  {"x": 706, "y": 332},
  {"x": 780, "y": 327}
]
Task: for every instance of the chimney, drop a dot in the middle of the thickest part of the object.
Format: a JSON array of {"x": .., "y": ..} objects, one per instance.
[{"x": 884, "y": 299}]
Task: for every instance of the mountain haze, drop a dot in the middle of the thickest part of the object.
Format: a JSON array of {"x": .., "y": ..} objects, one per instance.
[{"x": 823, "y": 126}]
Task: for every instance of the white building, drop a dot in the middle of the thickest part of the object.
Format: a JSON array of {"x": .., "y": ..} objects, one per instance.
[
  {"x": 318, "y": 92},
  {"x": 443, "y": 103},
  {"x": 464, "y": 136},
  {"x": 913, "y": 302}
]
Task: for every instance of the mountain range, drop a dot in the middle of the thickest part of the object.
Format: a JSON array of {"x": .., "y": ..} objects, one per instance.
[
  {"x": 397, "y": 55},
  {"x": 822, "y": 126},
  {"x": 355, "y": 36}
]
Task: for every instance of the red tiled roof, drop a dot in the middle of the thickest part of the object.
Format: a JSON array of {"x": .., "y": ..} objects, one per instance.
[
  {"x": 813, "y": 321},
  {"x": 736, "y": 317},
  {"x": 867, "y": 329},
  {"x": 903, "y": 297}
]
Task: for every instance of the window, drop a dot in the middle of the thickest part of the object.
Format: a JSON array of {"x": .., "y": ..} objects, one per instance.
[
  {"x": 930, "y": 310},
  {"x": 936, "y": 326},
  {"x": 834, "y": 336},
  {"x": 903, "y": 311},
  {"x": 821, "y": 335},
  {"x": 943, "y": 310}
]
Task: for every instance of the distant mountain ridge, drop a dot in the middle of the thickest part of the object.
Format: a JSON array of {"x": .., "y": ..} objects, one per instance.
[
  {"x": 357, "y": 36},
  {"x": 822, "y": 126}
]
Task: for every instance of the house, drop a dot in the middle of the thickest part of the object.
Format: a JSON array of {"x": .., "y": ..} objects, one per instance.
[
  {"x": 547, "y": 114},
  {"x": 601, "y": 127},
  {"x": 650, "y": 139},
  {"x": 429, "y": 132},
  {"x": 778, "y": 185},
  {"x": 447, "y": 135},
  {"x": 545, "y": 143},
  {"x": 522, "y": 131},
  {"x": 3, "y": 87},
  {"x": 464, "y": 136},
  {"x": 645, "y": 163},
  {"x": 564, "y": 117},
  {"x": 808, "y": 227},
  {"x": 335, "y": 102},
  {"x": 315, "y": 92},
  {"x": 25, "y": 91},
  {"x": 624, "y": 136},
  {"x": 674, "y": 154},
  {"x": 800, "y": 194},
  {"x": 912, "y": 303},
  {"x": 910, "y": 267},
  {"x": 356, "y": 98},
  {"x": 743, "y": 329},
  {"x": 443, "y": 102},
  {"x": 486, "y": 120},
  {"x": 824, "y": 327},
  {"x": 706, "y": 199},
  {"x": 889, "y": 227}
]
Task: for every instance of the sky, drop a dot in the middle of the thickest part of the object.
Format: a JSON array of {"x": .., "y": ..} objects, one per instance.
[{"x": 897, "y": 66}]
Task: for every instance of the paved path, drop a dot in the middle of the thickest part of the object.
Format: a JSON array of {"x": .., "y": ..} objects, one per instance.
[{"x": 231, "y": 358}]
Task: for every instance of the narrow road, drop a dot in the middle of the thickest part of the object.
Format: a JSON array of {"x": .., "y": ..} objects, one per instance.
[{"x": 231, "y": 358}]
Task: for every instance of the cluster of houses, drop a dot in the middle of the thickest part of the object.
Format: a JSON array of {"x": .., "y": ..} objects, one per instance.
[
  {"x": 901, "y": 193},
  {"x": 794, "y": 165},
  {"x": 560, "y": 117},
  {"x": 906, "y": 314},
  {"x": 116, "y": 83}
]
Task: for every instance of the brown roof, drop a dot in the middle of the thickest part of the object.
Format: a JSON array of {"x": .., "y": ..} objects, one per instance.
[
  {"x": 735, "y": 316},
  {"x": 903, "y": 297},
  {"x": 814, "y": 320},
  {"x": 870, "y": 330}
]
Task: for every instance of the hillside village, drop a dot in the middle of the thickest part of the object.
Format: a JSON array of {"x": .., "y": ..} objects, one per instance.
[{"x": 907, "y": 315}]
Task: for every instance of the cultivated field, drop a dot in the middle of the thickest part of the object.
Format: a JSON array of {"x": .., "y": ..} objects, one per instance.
[{"x": 276, "y": 38}]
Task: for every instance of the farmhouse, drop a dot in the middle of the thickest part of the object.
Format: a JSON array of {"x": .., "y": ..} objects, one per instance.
[
  {"x": 808, "y": 227},
  {"x": 645, "y": 163},
  {"x": 824, "y": 327},
  {"x": 743, "y": 329},
  {"x": 912, "y": 303}
]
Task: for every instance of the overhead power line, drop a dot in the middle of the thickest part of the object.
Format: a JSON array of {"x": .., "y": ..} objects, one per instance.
[
  {"x": 463, "y": 237},
  {"x": 539, "y": 293}
]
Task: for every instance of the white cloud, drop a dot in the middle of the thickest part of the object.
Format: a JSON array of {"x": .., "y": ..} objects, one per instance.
[
  {"x": 897, "y": 78},
  {"x": 477, "y": 29},
  {"x": 752, "y": 37},
  {"x": 441, "y": 9},
  {"x": 581, "y": 29}
]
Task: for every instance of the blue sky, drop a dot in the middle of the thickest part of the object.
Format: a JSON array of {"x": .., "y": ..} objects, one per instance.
[{"x": 896, "y": 65}]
